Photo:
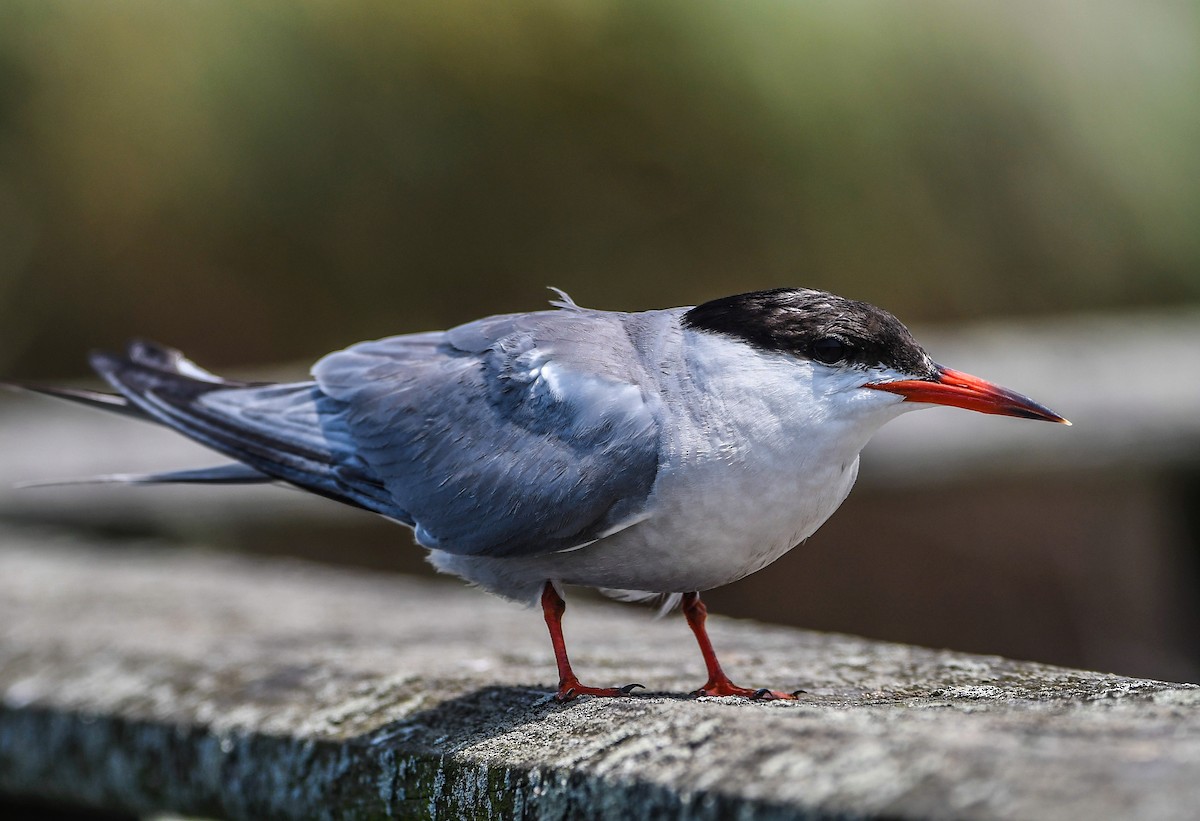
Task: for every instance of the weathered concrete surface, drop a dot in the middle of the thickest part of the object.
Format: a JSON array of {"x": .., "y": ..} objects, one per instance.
[{"x": 152, "y": 680}]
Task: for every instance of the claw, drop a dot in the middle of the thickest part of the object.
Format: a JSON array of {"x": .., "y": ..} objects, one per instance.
[
  {"x": 728, "y": 688},
  {"x": 798, "y": 693},
  {"x": 629, "y": 688},
  {"x": 572, "y": 689}
]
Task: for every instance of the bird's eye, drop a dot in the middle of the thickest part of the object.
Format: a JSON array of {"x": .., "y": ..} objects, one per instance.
[{"x": 830, "y": 350}]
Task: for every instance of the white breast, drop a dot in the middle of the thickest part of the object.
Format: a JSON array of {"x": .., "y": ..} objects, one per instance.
[{"x": 751, "y": 467}]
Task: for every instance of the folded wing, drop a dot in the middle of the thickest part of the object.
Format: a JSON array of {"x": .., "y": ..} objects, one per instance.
[{"x": 513, "y": 435}]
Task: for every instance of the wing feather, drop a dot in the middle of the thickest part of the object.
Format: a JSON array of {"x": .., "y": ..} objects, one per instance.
[
  {"x": 513, "y": 435},
  {"x": 278, "y": 430}
]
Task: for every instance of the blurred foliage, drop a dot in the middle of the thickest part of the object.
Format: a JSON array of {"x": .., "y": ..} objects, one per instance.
[{"x": 259, "y": 181}]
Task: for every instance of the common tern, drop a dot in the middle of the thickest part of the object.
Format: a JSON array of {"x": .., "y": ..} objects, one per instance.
[{"x": 652, "y": 454}]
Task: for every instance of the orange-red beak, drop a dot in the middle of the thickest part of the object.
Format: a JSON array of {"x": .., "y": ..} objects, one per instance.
[{"x": 961, "y": 390}]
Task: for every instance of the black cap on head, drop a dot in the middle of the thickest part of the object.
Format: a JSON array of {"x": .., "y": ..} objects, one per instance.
[{"x": 816, "y": 325}]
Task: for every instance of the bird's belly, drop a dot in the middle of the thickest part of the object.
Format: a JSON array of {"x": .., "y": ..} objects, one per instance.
[
  {"x": 712, "y": 532},
  {"x": 706, "y": 529}
]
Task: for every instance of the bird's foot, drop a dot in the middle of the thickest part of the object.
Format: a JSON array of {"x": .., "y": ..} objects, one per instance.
[
  {"x": 725, "y": 687},
  {"x": 571, "y": 689}
]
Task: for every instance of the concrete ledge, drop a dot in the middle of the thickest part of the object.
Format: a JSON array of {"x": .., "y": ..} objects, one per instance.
[{"x": 148, "y": 680}]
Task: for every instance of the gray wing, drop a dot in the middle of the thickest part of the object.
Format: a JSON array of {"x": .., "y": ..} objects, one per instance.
[{"x": 513, "y": 435}]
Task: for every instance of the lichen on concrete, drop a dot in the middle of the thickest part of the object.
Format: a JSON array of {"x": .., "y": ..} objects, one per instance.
[{"x": 152, "y": 680}]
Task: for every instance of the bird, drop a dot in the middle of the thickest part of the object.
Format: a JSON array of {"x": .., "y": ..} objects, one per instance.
[{"x": 652, "y": 455}]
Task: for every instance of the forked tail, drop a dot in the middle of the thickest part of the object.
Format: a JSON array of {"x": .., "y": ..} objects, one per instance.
[{"x": 276, "y": 432}]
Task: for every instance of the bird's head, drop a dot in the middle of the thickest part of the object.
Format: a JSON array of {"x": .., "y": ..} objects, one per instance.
[{"x": 862, "y": 358}]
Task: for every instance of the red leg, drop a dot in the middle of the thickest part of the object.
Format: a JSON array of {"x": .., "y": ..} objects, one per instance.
[
  {"x": 569, "y": 687},
  {"x": 718, "y": 683}
]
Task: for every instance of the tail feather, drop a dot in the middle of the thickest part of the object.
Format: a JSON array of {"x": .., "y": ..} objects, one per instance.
[
  {"x": 231, "y": 474},
  {"x": 166, "y": 360},
  {"x": 113, "y": 402},
  {"x": 164, "y": 385},
  {"x": 149, "y": 354}
]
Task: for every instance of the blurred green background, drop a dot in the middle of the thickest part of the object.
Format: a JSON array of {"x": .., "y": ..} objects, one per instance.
[
  {"x": 262, "y": 182},
  {"x": 257, "y": 182}
]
